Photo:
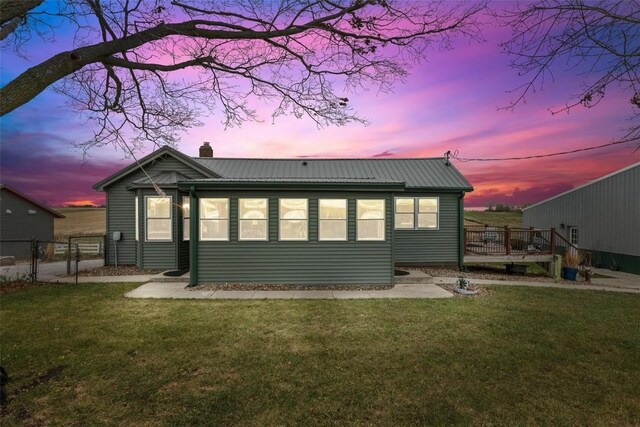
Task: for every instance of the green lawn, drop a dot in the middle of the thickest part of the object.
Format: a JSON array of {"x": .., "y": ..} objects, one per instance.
[
  {"x": 519, "y": 356},
  {"x": 512, "y": 219}
]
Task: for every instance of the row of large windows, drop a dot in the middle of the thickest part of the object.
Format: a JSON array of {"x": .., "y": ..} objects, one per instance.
[{"x": 293, "y": 218}]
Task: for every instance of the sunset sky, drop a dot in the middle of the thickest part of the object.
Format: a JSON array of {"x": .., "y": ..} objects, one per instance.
[{"x": 449, "y": 102}]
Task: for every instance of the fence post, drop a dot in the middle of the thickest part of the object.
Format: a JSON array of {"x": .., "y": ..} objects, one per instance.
[
  {"x": 553, "y": 241},
  {"x": 69, "y": 257},
  {"x": 507, "y": 239},
  {"x": 77, "y": 260},
  {"x": 34, "y": 260}
]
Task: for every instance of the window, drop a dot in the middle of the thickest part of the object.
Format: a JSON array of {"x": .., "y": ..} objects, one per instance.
[
  {"x": 416, "y": 213},
  {"x": 404, "y": 213},
  {"x": 158, "y": 218},
  {"x": 294, "y": 219},
  {"x": 573, "y": 236},
  {"x": 252, "y": 219},
  {"x": 186, "y": 215},
  {"x": 370, "y": 219},
  {"x": 137, "y": 219},
  {"x": 31, "y": 212},
  {"x": 214, "y": 219},
  {"x": 332, "y": 219},
  {"x": 428, "y": 213}
]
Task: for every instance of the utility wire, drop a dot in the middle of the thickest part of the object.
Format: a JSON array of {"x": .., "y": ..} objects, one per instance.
[{"x": 455, "y": 156}]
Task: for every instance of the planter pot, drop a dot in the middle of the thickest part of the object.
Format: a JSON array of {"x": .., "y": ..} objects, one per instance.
[{"x": 570, "y": 273}]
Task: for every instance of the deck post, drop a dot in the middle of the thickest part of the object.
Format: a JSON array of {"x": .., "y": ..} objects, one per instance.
[
  {"x": 531, "y": 232},
  {"x": 553, "y": 241},
  {"x": 507, "y": 240}
]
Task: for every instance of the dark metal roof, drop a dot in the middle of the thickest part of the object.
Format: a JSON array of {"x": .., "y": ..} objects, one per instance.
[
  {"x": 424, "y": 174},
  {"x": 162, "y": 151},
  {"x": 163, "y": 179},
  {"x": 33, "y": 202},
  {"x": 302, "y": 179},
  {"x": 367, "y": 184},
  {"x": 431, "y": 173}
]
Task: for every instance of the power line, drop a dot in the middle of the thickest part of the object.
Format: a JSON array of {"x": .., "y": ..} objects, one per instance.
[{"x": 455, "y": 156}]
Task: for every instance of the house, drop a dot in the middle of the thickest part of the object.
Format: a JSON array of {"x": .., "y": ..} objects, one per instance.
[
  {"x": 284, "y": 221},
  {"x": 601, "y": 217},
  {"x": 21, "y": 219}
]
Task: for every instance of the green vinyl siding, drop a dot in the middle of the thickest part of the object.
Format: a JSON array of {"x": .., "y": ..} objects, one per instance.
[
  {"x": 121, "y": 217},
  {"x": 424, "y": 247},
  {"x": 296, "y": 262}
]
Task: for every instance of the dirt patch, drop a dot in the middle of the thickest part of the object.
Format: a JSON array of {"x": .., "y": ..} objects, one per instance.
[
  {"x": 121, "y": 270},
  {"x": 283, "y": 287},
  {"x": 18, "y": 285},
  {"x": 488, "y": 273}
]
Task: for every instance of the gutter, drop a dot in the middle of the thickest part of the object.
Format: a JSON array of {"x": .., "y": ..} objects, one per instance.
[{"x": 461, "y": 232}]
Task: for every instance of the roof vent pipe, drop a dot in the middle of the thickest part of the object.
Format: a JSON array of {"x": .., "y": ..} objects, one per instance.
[{"x": 206, "y": 150}]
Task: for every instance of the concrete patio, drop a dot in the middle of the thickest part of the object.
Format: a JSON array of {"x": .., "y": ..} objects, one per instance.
[{"x": 178, "y": 291}]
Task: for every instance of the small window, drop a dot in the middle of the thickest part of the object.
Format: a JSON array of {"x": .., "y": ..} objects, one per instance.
[
  {"x": 252, "y": 219},
  {"x": 404, "y": 213},
  {"x": 31, "y": 212},
  {"x": 186, "y": 215},
  {"x": 137, "y": 218},
  {"x": 370, "y": 219},
  {"x": 428, "y": 213},
  {"x": 416, "y": 213},
  {"x": 214, "y": 219},
  {"x": 158, "y": 212},
  {"x": 573, "y": 236},
  {"x": 332, "y": 219},
  {"x": 294, "y": 219}
]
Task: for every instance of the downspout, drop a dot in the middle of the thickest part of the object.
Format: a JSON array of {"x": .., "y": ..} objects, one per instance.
[
  {"x": 461, "y": 232},
  {"x": 194, "y": 216}
]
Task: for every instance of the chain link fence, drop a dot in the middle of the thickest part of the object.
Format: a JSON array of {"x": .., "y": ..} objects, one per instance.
[{"x": 30, "y": 260}]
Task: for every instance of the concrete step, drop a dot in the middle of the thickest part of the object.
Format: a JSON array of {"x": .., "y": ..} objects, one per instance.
[
  {"x": 165, "y": 279},
  {"x": 414, "y": 276},
  {"x": 170, "y": 279}
]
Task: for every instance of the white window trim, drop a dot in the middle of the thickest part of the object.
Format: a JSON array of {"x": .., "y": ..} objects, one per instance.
[
  {"x": 383, "y": 219},
  {"x": 137, "y": 218},
  {"x": 415, "y": 217},
  {"x": 437, "y": 213},
  {"x": 146, "y": 219},
  {"x": 186, "y": 239},
  {"x": 266, "y": 220},
  {"x": 416, "y": 212},
  {"x": 346, "y": 222},
  {"x": 280, "y": 239},
  {"x": 200, "y": 219}
]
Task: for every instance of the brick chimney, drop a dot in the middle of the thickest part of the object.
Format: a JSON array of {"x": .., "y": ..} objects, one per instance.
[{"x": 206, "y": 150}]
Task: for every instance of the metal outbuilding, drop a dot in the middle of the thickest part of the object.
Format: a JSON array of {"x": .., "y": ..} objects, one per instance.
[{"x": 601, "y": 217}]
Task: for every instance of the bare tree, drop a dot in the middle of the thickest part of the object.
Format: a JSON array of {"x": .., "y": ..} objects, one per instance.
[
  {"x": 598, "y": 41},
  {"x": 149, "y": 69}
]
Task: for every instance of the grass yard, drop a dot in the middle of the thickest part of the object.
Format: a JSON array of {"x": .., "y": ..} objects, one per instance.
[
  {"x": 512, "y": 219},
  {"x": 84, "y": 355},
  {"x": 79, "y": 221}
]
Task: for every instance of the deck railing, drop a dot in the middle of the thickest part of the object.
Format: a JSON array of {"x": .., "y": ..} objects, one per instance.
[{"x": 493, "y": 240}]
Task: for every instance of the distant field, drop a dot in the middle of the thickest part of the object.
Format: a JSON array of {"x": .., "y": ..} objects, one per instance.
[
  {"x": 83, "y": 221},
  {"x": 512, "y": 219},
  {"x": 80, "y": 221}
]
